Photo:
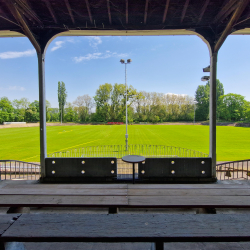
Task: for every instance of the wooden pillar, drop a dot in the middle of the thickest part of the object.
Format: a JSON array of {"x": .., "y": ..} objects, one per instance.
[
  {"x": 212, "y": 111},
  {"x": 42, "y": 107}
]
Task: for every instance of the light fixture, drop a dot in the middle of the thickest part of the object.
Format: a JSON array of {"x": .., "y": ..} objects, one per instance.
[{"x": 205, "y": 78}]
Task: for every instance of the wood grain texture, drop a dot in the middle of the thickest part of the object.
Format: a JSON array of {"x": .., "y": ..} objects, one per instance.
[
  {"x": 189, "y": 201},
  {"x": 188, "y": 192},
  {"x": 129, "y": 227},
  {"x": 64, "y": 191},
  {"x": 186, "y": 186},
  {"x": 60, "y": 200},
  {"x": 5, "y": 221}
]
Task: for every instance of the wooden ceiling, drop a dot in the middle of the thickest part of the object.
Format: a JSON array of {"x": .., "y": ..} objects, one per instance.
[{"x": 40, "y": 20}]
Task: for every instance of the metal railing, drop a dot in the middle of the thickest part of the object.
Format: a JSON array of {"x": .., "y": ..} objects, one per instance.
[
  {"x": 233, "y": 170},
  {"x": 19, "y": 170},
  {"x": 119, "y": 151}
]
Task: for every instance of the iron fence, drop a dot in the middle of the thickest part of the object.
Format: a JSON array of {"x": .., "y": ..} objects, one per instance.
[
  {"x": 233, "y": 170},
  {"x": 119, "y": 151},
  {"x": 19, "y": 170}
]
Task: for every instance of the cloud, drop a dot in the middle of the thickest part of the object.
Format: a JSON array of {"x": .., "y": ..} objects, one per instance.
[
  {"x": 98, "y": 55},
  {"x": 94, "y": 41},
  {"x": 16, "y": 54},
  {"x": 58, "y": 45},
  {"x": 14, "y": 88},
  {"x": 176, "y": 94}
]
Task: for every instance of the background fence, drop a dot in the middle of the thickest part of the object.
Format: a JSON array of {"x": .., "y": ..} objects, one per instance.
[
  {"x": 12, "y": 169},
  {"x": 233, "y": 170},
  {"x": 119, "y": 151}
]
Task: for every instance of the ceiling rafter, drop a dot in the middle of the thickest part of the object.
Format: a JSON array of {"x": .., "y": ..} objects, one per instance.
[
  {"x": 69, "y": 10},
  {"x": 146, "y": 12},
  {"x": 184, "y": 10},
  {"x": 165, "y": 11},
  {"x": 224, "y": 9},
  {"x": 234, "y": 18},
  {"x": 109, "y": 13},
  {"x": 204, "y": 7},
  {"x": 19, "y": 18},
  {"x": 25, "y": 8},
  {"x": 126, "y": 11},
  {"x": 51, "y": 11},
  {"x": 89, "y": 11},
  {"x": 228, "y": 12}
]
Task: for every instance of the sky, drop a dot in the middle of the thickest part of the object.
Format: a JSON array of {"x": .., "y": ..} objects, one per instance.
[{"x": 163, "y": 64}]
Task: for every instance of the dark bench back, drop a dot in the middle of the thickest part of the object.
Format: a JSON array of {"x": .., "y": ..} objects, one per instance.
[
  {"x": 154, "y": 168},
  {"x": 88, "y": 168}
]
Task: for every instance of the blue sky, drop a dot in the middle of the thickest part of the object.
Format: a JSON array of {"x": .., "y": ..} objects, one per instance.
[{"x": 165, "y": 64}]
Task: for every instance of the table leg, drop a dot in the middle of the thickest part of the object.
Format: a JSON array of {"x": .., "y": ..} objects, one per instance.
[{"x": 133, "y": 173}]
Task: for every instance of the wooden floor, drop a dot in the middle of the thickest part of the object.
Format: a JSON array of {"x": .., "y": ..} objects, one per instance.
[{"x": 23, "y": 193}]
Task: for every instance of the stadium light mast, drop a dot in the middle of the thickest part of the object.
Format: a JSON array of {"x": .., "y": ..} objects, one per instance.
[{"x": 126, "y": 135}]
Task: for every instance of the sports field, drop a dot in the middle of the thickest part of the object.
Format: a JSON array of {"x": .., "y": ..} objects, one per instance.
[{"x": 233, "y": 143}]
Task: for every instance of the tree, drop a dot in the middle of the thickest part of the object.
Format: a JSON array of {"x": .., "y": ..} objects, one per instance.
[
  {"x": 6, "y": 110},
  {"x": 62, "y": 95},
  {"x": 83, "y": 105},
  {"x": 202, "y": 97},
  {"x": 232, "y": 107},
  {"x": 102, "y": 100}
]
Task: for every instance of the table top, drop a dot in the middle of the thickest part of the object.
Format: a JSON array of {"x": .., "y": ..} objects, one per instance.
[{"x": 133, "y": 158}]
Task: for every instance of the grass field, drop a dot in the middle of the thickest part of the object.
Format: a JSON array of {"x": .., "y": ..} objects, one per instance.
[{"x": 233, "y": 143}]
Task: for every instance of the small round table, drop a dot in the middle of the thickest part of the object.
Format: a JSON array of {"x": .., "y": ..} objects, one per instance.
[{"x": 133, "y": 159}]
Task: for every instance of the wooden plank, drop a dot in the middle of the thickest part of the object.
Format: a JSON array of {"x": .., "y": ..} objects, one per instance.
[
  {"x": 189, "y": 201},
  {"x": 186, "y": 186},
  {"x": 60, "y": 200},
  {"x": 129, "y": 227},
  {"x": 63, "y": 191},
  {"x": 67, "y": 186},
  {"x": 188, "y": 192},
  {"x": 5, "y": 221}
]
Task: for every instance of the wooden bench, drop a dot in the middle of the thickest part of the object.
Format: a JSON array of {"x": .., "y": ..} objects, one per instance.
[
  {"x": 156, "y": 228},
  {"x": 125, "y": 195}
]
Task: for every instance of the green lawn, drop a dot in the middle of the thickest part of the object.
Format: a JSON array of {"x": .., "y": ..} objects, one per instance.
[{"x": 233, "y": 143}]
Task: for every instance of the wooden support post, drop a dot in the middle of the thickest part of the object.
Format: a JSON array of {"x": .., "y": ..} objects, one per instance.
[
  {"x": 113, "y": 210},
  {"x": 159, "y": 245},
  {"x": 42, "y": 107},
  {"x": 212, "y": 111}
]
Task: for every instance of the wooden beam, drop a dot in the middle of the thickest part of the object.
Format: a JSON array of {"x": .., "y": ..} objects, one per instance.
[
  {"x": 126, "y": 11},
  {"x": 89, "y": 11},
  {"x": 69, "y": 10},
  {"x": 165, "y": 11},
  {"x": 236, "y": 15},
  {"x": 146, "y": 12},
  {"x": 224, "y": 9},
  {"x": 19, "y": 18},
  {"x": 51, "y": 11},
  {"x": 204, "y": 7},
  {"x": 109, "y": 13},
  {"x": 25, "y": 8},
  {"x": 184, "y": 10},
  {"x": 228, "y": 12}
]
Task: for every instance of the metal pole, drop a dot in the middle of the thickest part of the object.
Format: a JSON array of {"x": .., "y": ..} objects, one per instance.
[
  {"x": 194, "y": 112},
  {"x": 212, "y": 111},
  {"x": 42, "y": 107},
  {"x": 126, "y": 135}
]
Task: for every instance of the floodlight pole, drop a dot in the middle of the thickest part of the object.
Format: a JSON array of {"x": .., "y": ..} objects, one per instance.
[
  {"x": 126, "y": 88},
  {"x": 194, "y": 109}
]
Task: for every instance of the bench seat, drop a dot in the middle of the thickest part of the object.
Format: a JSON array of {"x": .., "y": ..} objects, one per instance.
[{"x": 156, "y": 228}]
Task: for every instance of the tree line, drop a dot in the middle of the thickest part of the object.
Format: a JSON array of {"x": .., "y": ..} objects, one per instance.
[{"x": 109, "y": 104}]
